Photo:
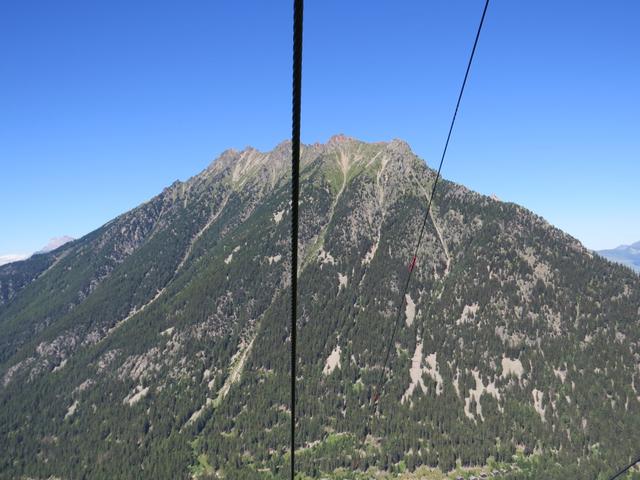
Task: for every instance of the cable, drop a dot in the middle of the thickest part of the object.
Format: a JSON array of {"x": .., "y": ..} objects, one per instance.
[
  {"x": 624, "y": 469},
  {"x": 295, "y": 194},
  {"x": 402, "y": 302}
]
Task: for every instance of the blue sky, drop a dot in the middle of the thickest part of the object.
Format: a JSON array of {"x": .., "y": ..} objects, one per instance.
[{"x": 103, "y": 104}]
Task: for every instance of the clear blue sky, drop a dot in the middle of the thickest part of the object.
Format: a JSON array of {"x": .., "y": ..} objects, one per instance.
[{"x": 102, "y": 104}]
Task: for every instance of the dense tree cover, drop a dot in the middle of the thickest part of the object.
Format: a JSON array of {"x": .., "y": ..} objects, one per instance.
[
  {"x": 528, "y": 343},
  {"x": 17, "y": 275}
]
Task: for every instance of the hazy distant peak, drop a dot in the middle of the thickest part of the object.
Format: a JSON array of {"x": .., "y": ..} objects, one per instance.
[
  {"x": 55, "y": 242},
  {"x": 12, "y": 257},
  {"x": 628, "y": 255}
]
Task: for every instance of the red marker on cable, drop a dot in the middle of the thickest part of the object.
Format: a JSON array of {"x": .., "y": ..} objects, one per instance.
[{"x": 413, "y": 264}]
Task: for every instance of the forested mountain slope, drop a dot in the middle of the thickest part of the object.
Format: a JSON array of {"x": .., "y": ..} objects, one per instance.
[{"x": 158, "y": 345}]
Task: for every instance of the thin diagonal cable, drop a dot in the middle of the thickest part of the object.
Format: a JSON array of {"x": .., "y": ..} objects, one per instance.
[
  {"x": 402, "y": 302},
  {"x": 624, "y": 470},
  {"x": 295, "y": 195}
]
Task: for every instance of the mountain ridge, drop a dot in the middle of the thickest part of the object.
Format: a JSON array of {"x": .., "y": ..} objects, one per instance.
[
  {"x": 628, "y": 255},
  {"x": 162, "y": 337}
]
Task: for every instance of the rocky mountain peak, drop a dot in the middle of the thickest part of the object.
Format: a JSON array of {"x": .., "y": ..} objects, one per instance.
[
  {"x": 399, "y": 146},
  {"x": 253, "y": 167},
  {"x": 340, "y": 138}
]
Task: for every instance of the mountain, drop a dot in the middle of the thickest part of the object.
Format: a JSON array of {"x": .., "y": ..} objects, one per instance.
[
  {"x": 628, "y": 255},
  {"x": 12, "y": 257},
  {"x": 158, "y": 345},
  {"x": 55, "y": 243}
]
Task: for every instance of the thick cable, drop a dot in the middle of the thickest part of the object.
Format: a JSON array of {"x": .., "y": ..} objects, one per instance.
[{"x": 295, "y": 195}]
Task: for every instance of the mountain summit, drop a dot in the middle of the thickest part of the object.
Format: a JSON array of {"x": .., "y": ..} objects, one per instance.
[
  {"x": 54, "y": 243},
  {"x": 628, "y": 255},
  {"x": 158, "y": 345}
]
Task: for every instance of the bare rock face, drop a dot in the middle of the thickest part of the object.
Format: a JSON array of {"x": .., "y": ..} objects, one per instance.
[{"x": 158, "y": 345}]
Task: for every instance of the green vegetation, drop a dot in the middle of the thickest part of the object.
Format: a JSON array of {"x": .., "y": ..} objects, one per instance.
[{"x": 158, "y": 345}]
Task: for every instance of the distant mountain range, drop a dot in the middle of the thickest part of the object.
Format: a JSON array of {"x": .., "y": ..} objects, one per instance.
[
  {"x": 158, "y": 346},
  {"x": 54, "y": 243},
  {"x": 12, "y": 257},
  {"x": 628, "y": 255}
]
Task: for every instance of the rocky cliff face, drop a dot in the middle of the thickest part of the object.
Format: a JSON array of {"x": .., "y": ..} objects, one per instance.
[{"x": 157, "y": 346}]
